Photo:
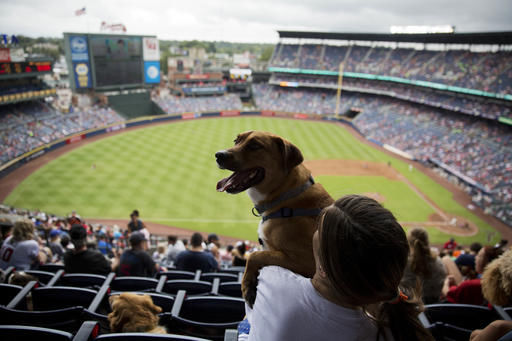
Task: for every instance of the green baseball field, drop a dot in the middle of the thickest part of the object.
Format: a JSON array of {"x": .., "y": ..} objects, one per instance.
[{"x": 168, "y": 172}]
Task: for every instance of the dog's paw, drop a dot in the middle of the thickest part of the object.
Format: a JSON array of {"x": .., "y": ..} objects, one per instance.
[
  {"x": 249, "y": 293},
  {"x": 249, "y": 284}
]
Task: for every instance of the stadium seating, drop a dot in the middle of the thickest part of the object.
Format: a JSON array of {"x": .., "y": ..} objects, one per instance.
[
  {"x": 8, "y": 292},
  {"x": 191, "y": 286},
  {"x": 87, "y": 331},
  {"x": 146, "y": 337},
  {"x": 488, "y": 71},
  {"x": 131, "y": 283},
  {"x": 204, "y": 316}
]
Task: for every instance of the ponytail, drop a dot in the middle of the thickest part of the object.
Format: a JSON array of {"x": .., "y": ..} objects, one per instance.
[
  {"x": 400, "y": 315},
  {"x": 420, "y": 254}
]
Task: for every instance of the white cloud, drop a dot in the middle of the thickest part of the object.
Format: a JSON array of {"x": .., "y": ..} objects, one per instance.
[{"x": 248, "y": 20}]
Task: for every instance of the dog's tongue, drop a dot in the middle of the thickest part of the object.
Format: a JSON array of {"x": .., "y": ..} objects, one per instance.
[{"x": 225, "y": 183}]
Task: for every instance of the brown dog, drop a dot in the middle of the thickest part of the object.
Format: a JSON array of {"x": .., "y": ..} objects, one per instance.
[
  {"x": 134, "y": 313},
  {"x": 285, "y": 196}
]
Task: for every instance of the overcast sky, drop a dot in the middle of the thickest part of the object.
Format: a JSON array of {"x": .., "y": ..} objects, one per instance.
[{"x": 248, "y": 20}]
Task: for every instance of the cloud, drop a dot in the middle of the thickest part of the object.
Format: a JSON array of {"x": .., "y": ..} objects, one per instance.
[{"x": 248, "y": 20}]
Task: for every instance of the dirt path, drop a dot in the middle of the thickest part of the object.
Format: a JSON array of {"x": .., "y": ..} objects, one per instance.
[{"x": 449, "y": 224}]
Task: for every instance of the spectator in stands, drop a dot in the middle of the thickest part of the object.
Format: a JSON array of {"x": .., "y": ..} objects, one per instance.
[
  {"x": 213, "y": 246},
  {"x": 84, "y": 260},
  {"x": 55, "y": 245},
  {"x": 136, "y": 261},
  {"x": 497, "y": 289},
  {"x": 74, "y": 219},
  {"x": 450, "y": 245},
  {"x": 240, "y": 254},
  {"x": 424, "y": 267},
  {"x": 360, "y": 253},
  {"x": 195, "y": 258},
  {"x": 104, "y": 246},
  {"x": 135, "y": 223},
  {"x": 20, "y": 249},
  {"x": 5, "y": 229},
  {"x": 175, "y": 246},
  {"x": 470, "y": 290}
]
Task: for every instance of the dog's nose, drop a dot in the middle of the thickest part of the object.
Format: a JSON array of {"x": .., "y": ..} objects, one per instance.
[{"x": 221, "y": 155}]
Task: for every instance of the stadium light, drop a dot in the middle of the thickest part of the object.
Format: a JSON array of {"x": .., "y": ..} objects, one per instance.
[{"x": 422, "y": 29}]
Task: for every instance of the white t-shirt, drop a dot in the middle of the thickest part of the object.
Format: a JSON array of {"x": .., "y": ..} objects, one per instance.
[
  {"x": 288, "y": 307},
  {"x": 21, "y": 255}
]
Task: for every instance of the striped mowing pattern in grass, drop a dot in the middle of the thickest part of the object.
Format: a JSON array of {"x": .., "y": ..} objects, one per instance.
[{"x": 168, "y": 172}]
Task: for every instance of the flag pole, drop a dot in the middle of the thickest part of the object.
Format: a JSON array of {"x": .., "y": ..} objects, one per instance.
[{"x": 338, "y": 94}]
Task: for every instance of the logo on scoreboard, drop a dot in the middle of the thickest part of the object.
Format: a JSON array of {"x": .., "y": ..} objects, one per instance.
[
  {"x": 82, "y": 75},
  {"x": 78, "y": 45},
  {"x": 152, "y": 72}
]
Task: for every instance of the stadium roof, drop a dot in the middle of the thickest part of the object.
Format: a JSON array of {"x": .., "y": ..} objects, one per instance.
[{"x": 486, "y": 38}]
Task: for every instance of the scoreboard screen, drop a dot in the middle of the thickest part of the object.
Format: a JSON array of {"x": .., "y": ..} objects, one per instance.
[
  {"x": 117, "y": 60},
  {"x": 21, "y": 68}
]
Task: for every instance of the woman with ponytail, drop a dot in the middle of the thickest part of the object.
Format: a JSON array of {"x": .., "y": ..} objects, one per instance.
[
  {"x": 360, "y": 252},
  {"x": 424, "y": 267}
]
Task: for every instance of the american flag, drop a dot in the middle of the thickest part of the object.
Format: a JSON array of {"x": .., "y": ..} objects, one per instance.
[{"x": 80, "y": 11}]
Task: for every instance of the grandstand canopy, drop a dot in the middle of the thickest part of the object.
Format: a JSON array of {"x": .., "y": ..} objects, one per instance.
[{"x": 485, "y": 38}]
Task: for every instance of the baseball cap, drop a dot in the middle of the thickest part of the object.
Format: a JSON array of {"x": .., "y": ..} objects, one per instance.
[
  {"x": 77, "y": 232},
  {"x": 137, "y": 237},
  {"x": 466, "y": 259},
  {"x": 54, "y": 233}
]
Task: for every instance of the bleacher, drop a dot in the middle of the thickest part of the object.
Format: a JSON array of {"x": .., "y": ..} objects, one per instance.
[
  {"x": 202, "y": 305},
  {"x": 487, "y": 71}
]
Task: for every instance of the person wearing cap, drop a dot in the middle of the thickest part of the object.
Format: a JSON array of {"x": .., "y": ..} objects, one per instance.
[
  {"x": 84, "y": 260},
  {"x": 20, "y": 249},
  {"x": 135, "y": 261},
  {"x": 55, "y": 246}
]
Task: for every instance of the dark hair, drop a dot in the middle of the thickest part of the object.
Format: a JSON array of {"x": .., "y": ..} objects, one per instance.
[
  {"x": 172, "y": 239},
  {"x": 364, "y": 251},
  {"x": 196, "y": 239},
  {"x": 421, "y": 256},
  {"x": 475, "y": 247}
]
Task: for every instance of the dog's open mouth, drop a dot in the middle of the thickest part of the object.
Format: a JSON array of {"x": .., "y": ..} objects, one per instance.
[{"x": 241, "y": 180}]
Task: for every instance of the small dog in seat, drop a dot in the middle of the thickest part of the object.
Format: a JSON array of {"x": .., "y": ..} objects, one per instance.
[{"x": 134, "y": 313}]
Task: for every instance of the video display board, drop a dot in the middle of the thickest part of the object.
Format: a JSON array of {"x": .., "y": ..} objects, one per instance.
[
  {"x": 117, "y": 60},
  {"x": 112, "y": 61}
]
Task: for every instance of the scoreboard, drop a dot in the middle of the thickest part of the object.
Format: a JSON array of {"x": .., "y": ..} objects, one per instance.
[
  {"x": 24, "y": 68},
  {"x": 112, "y": 61}
]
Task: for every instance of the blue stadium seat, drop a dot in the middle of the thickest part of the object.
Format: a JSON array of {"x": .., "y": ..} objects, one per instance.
[
  {"x": 204, "y": 316},
  {"x": 132, "y": 283}
]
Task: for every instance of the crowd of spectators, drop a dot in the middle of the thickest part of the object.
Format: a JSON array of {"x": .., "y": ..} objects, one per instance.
[
  {"x": 487, "y": 71},
  {"x": 28, "y": 125},
  {"x": 477, "y": 148},
  {"x": 179, "y": 105},
  {"x": 473, "y": 105},
  {"x": 100, "y": 249}
]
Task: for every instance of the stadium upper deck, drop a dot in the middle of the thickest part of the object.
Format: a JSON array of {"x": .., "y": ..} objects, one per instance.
[{"x": 453, "y": 65}]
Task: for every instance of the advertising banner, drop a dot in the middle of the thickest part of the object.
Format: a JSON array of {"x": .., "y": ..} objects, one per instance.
[
  {"x": 76, "y": 138},
  {"x": 82, "y": 73},
  {"x": 5, "y": 55},
  {"x": 150, "y": 48},
  {"x": 230, "y": 113},
  {"x": 152, "y": 72},
  {"x": 17, "y": 55},
  {"x": 79, "y": 50}
]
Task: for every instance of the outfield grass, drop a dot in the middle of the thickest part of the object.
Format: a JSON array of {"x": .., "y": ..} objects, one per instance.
[{"x": 168, "y": 172}]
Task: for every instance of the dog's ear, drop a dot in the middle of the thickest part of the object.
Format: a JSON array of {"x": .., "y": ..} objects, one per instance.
[{"x": 291, "y": 155}]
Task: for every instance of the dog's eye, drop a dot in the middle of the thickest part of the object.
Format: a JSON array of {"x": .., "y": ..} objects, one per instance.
[{"x": 254, "y": 145}]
